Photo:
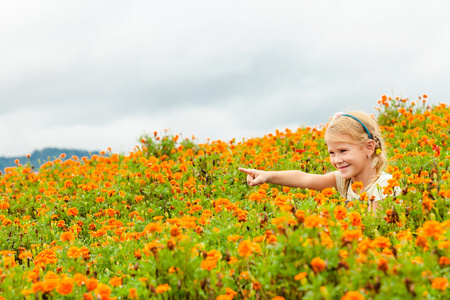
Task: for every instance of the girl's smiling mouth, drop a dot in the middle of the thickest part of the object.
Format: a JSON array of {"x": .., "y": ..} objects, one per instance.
[{"x": 343, "y": 167}]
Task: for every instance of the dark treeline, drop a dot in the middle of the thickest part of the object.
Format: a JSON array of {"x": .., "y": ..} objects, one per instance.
[{"x": 38, "y": 157}]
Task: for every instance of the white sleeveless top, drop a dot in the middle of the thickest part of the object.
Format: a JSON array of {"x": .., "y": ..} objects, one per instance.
[{"x": 376, "y": 189}]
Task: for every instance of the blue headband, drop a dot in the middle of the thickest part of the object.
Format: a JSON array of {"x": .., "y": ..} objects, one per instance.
[{"x": 365, "y": 128}]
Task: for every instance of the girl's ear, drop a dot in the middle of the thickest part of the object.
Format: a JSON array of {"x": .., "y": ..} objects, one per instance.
[{"x": 370, "y": 147}]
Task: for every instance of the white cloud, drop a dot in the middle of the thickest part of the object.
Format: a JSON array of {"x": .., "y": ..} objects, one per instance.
[{"x": 98, "y": 74}]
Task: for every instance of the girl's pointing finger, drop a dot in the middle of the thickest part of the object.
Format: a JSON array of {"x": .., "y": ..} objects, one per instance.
[{"x": 247, "y": 171}]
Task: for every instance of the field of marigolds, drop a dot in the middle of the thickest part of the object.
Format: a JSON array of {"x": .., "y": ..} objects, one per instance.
[{"x": 175, "y": 219}]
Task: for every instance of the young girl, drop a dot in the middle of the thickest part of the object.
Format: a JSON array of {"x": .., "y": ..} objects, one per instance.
[{"x": 357, "y": 152}]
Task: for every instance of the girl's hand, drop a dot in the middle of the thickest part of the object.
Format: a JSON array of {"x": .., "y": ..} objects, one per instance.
[{"x": 255, "y": 177}]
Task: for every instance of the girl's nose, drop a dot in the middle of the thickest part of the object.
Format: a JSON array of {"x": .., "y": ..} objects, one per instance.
[{"x": 338, "y": 159}]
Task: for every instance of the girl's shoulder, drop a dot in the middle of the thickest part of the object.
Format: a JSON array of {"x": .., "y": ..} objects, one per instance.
[
  {"x": 383, "y": 181},
  {"x": 383, "y": 178}
]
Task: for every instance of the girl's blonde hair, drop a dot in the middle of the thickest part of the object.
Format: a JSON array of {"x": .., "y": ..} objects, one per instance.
[{"x": 346, "y": 124}]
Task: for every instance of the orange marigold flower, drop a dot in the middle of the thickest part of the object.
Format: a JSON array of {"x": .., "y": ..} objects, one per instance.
[
  {"x": 33, "y": 275},
  {"x": 383, "y": 264},
  {"x": 234, "y": 238},
  {"x": 25, "y": 255},
  {"x": 175, "y": 231},
  {"x": 233, "y": 260},
  {"x": 245, "y": 248},
  {"x": 61, "y": 223},
  {"x": 326, "y": 240},
  {"x": 353, "y": 295},
  {"x": 9, "y": 262},
  {"x": 314, "y": 221},
  {"x": 225, "y": 297},
  {"x": 440, "y": 283},
  {"x": 355, "y": 218},
  {"x": 208, "y": 264},
  {"x": 103, "y": 291},
  {"x": 351, "y": 235},
  {"x": 343, "y": 253},
  {"x": 6, "y": 222},
  {"x": 382, "y": 242},
  {"x": 74, "y": 252},
  {"x": 444, "y": 261},
  {"x": 67, "y": 236},
  {"x": 73, "y": 211},
  {"x": 318, "y": 264},
  {"x": 110, "y": 212},
  {"x": 214, "y": 254},
  {"x": 153, "y": 227},
  {"x": 80, "y": 279},
  {"x": 211, "y": 260},
  {"x": 279, "y": 220},
  {"x": 115, "y": 281},
  {"x": 328, "y": 192},
  {"x": 68, "y": 183},
  {"x": 133, "y": 294},
  {"x": 47, "y": 256},
  {"x": 231, "y": 292},
  {"x": 272, "y": 239},
  {"x": 162, "y": 288},
  {"x": 427, "y": 204},
  {"x": 65, "y": 286},
  {"x": 49, "y": 285},
  {"x": 88, "y": 296},
  {"x": 258, "y": 239},
  {"x": 444, "y": 245},
  {"x": 446, "y": 224},
  {"x": 91, "y": 284},
  {"x": 421, "y": 241},
  {"x": 244, "y": 275},
  {"x": 320, "y": 198},
  {"x": 107, "y": 184},
  {"x": 357, "y": 186},
  {"x": 364, "y": 246},
  {"x": 51, "y": 275},
  {"x": 85, "y": 252},
  {"x": 432, "y": 229},
  {"x": 300, "y": 215},
  {"x": 404, "y": 235},
  {"x": 256, "y": 286},
  {"x": 37, "y": 287},
  {"x": 340, "y": 212},
  {"x": 300, "y": 276}
]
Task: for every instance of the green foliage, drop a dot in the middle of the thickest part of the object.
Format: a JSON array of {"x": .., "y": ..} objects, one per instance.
[
  {"x": 166, "y": 145},
  {"x": 179, "y": 213}
]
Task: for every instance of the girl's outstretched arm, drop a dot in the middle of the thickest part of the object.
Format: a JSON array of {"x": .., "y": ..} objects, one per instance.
[{"x": 295, "y": 179}]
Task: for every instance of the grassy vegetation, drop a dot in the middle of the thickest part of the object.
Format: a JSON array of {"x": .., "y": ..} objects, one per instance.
[{"x": 176, "y": 220}]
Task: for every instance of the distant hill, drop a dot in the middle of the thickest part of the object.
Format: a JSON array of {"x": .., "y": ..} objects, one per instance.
[{"x": 39, "y": 157}]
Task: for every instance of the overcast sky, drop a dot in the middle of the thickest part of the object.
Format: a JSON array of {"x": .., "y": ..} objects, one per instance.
[{"x": 97, "y": 74}]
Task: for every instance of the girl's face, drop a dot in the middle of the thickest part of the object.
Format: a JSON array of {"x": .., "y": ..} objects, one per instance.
[{"x": 350, "y": 159}]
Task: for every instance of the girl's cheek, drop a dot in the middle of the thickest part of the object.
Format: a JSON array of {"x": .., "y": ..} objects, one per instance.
[{"x": 332, "y": 162}]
